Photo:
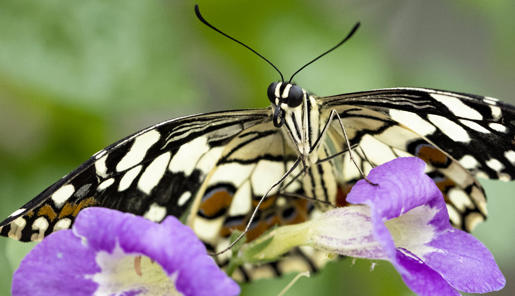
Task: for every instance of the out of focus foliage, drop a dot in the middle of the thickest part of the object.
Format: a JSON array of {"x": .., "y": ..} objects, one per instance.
[{"x": 78, "y": 75}]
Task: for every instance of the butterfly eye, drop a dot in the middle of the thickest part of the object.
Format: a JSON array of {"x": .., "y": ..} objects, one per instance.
[
  {"x": 271, "y": 91},
  {"x": 295, "y": 96}
]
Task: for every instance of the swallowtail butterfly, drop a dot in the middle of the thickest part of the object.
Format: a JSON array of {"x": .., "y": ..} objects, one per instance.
[{"x": 212, "y": 169}]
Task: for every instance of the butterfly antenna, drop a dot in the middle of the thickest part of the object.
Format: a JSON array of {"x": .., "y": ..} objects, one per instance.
[
  {"x": 354, "y": 29},
  {"x": 203, "y": 20}
]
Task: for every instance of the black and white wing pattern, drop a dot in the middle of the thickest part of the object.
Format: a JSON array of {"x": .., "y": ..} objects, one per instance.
[
  {"x": 209, "y": 170},
  {"x": 460, "y": 136},
  {"x": 153, "y": 173}
]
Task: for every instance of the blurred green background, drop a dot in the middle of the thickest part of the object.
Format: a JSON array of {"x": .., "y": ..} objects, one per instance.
[{"x": 77, "y": 75}]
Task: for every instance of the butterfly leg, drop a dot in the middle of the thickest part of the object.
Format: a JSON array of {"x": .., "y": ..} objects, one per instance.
[
  {"x": 324, "y": 133},
  {"x": 301, "y": 196},
  {"x": 333, "y": 156},
  {"x": 366, "y": 157},
  {"x": 355, "y": 146}
]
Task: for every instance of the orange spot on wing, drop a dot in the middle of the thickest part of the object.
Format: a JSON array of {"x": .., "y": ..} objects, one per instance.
[
  {"x": 341, "y": 195},
  {"x": 445, "y": 185},
  {"x": 47, "y": 211},
  {"x": 73, "y": 209},
  {"x": 66, "y": 210},
  {"x": 88, "y": 202},
  {"x": 267, "y": 203},
  {"x": 219, "y": 200},
  {"x": 258, "y": 229},
  {"x": 432, "y": 155}
]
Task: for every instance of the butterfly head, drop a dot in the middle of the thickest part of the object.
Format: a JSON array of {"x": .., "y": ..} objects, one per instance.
[{"x": 285, "y": 97}]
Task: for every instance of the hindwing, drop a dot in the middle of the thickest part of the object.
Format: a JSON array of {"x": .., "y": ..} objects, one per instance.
[{"x": 248, "y": 167}]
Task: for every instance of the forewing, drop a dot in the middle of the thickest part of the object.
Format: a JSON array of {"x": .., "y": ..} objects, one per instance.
[
  {"x": 152, "y": 173},
  {"x": 460, "y": 136},
  {"x": 210, "y": 170}
]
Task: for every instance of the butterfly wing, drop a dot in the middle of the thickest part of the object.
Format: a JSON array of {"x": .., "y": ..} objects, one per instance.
[
  {"x": 210, "y": 170},
  {"x": 248, "y": 167},
  {"x": 154, "y": 172},
  {"x": 460, "y": 137}
]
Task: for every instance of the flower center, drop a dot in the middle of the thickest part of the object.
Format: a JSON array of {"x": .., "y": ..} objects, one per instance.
[
  {"x": 136, "y": 273},
  {"x": 412, "y": 230}
]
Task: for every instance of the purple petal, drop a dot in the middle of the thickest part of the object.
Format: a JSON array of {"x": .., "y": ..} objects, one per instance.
[
  {"x": 401, "y": 186},
  {"x": 465, "y": 263},
  {"x": 422, "y": 279},
  {"x": 446, "y": 258},
  {"x": 56, "y": 266},
  {"x": 171, "y": 244},
  {"x": 82, "y": 260}
]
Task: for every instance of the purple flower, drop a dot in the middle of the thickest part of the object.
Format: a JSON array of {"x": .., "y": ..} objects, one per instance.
[
  {"x": 404, "y": 220},
  {"x": 112, "y": 253}
]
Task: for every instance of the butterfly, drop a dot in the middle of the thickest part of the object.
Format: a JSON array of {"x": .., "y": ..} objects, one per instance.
[{"x": 212, "y": 170}]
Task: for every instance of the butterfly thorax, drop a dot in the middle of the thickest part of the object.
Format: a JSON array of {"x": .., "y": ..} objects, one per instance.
[{"x": 296, "y": 112}]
